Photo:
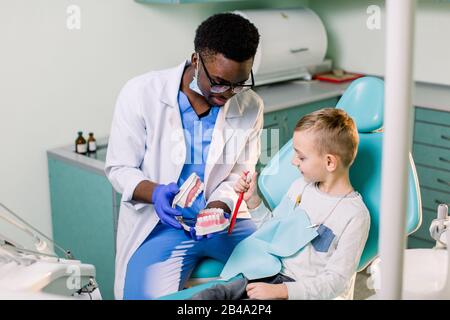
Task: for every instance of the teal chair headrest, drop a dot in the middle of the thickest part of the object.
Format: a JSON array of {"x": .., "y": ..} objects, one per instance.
[{"x": 364, "y": 102}]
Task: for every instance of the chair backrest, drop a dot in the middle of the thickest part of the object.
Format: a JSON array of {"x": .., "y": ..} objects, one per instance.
[{"x": 364, "y": 102}]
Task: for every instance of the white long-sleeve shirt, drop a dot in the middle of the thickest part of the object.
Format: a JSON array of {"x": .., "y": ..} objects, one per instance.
[{"x": 324, "y": 275}]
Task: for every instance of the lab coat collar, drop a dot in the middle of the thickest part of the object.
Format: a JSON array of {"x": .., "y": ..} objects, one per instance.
[{"x": 171, "y": 87}]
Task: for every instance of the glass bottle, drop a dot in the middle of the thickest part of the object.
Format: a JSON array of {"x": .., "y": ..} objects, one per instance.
[
  {"x": 92, "y": 144},
  {"x": 80, "y": 144}
]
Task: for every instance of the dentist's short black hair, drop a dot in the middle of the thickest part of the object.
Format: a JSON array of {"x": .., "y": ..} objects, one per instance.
[{"x": 229, "y": 34}]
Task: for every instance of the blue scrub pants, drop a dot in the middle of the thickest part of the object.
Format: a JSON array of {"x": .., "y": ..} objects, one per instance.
[{"x": 165, "y": 260}]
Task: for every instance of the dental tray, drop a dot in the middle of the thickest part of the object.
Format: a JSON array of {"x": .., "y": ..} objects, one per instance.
[{"x": 338, "y": 77}]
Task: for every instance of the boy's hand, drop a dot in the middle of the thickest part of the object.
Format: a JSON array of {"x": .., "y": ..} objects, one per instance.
[
  {"x": 247, "y": 184},
  {"x": 266, "y": 291}
]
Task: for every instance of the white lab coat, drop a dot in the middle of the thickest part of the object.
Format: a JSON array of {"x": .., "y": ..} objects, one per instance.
[{"x": 146, "y": 143}]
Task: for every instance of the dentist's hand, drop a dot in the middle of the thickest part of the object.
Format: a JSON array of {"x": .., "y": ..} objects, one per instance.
[{"x": 162, "y": 199}]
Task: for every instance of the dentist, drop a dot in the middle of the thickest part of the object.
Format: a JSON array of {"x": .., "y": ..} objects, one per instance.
[{"x": 202, "y": 117}]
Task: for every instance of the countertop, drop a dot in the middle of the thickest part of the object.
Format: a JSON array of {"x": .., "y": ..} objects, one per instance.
[
  {"x": 432, "y": 96},
  {"x": 295, "y": 93},
  {"x": 94, "y": 162}
]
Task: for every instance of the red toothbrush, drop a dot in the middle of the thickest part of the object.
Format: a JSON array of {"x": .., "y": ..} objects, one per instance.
[{"x": 236, "y": 209}]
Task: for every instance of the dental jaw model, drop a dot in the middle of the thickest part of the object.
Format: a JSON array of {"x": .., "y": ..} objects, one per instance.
[
  {"x": 189, "y": 191},
  {"x": 211, "y": 220},
  {"x": 208, "y": 220}
]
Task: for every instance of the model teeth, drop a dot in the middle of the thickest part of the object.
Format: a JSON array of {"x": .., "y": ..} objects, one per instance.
[
  {"x": 197, "y": 193},
  {"x": 181, "y": 197},
  {"x": 211, "y": 220}
]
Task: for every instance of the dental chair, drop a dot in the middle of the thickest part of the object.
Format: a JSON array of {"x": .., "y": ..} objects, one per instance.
[{"x": 364, "y": 102}]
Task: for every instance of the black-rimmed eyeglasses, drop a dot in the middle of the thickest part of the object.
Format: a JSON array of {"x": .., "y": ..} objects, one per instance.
[{"x": 221, "y": 88}]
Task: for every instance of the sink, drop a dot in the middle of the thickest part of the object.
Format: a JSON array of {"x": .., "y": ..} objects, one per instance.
[{"x": 424, "y": 274}]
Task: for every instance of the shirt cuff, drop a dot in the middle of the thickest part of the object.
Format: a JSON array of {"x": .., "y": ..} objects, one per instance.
[
  {"x": 296, "y": 290},
  {"x": 259, "y": 212}
]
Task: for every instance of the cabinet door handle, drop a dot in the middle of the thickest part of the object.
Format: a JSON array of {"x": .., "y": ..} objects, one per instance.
[
  {"x": 444, "y": 160},
  {"x": 285, "y": 125},
  {"x": 445, "y": 137},
  {"x": 443, "y": 181},
  {"x": 296, "y": 50}
]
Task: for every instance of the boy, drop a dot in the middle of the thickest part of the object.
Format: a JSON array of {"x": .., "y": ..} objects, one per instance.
[{"x": 325, "y": 145}]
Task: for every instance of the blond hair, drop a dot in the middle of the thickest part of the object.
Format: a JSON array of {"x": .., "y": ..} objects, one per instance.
[{"x": 336, "y": 133}]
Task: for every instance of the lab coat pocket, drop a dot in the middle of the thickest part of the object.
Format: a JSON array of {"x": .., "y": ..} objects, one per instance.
[{"x": 323, "y": 241}]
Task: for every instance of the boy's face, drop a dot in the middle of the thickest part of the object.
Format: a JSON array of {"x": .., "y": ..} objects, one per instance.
[{"x": 307, "y": 159}]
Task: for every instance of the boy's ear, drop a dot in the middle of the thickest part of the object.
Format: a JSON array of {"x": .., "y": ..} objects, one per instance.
[{"x": 331, "y": 162}]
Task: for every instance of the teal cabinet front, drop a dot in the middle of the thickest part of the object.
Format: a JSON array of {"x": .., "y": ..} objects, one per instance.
[
  {"x": 431, "y": 153},
  {"x": 84, "y": 218}
]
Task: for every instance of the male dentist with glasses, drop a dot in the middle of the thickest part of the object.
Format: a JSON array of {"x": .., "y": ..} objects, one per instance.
[{"x": 201, "y": 117}]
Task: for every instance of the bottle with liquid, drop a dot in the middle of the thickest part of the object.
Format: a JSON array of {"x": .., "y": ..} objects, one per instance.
[
  {"x": 80, "y": 144},
  {"x": 92, "y": 144}
]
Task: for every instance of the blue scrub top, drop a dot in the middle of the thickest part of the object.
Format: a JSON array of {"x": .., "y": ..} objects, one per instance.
[{"x": 198, "y": 135}]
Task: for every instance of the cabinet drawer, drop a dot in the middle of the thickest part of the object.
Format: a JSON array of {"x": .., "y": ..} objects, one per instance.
[
  {"x": 431, "y": 198},
  {"x": 432, "y": 134},
  {"x": 416, "y": 243},
  {"x": 424, "y": 231},
  {"x": 431, "y": 156},
  {"x": 272, "y": 136},
  {"x": 433, "y": 178},
  {"x": 435, "y": 116}
]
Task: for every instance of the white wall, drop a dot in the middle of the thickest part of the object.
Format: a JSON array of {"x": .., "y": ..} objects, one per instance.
[
  {"x": 54, "y": 82},
  {"x": 354, "y": 47}
]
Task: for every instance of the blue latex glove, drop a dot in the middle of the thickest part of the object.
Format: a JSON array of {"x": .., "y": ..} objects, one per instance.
[
  {"x": 162, "y": 198},
  {"x": 194, "y": 236}
]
